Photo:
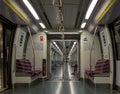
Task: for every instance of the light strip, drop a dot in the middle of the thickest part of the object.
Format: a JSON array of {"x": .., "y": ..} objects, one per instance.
[
  {"x": 83, "y": 25},
  {"x": 57, "y": 47},
  {"x": 80, "y": 31},
  {"x": 42, "y": 25},
  {"x": 75, "y": 43},
  {"x": 72, "y": 48},
  {"x": 31, "y": 9},
  {"x": 46, "y": 31},
  {"x": 16, "y": 11},
  {"x": 90, "y": 9},
  {"x": 54, "y": 42},
  {"x": 105, "y": 10}
]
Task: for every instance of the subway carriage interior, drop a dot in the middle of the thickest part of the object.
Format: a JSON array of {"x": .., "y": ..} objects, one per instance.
[{"x": 59, "y": 46}]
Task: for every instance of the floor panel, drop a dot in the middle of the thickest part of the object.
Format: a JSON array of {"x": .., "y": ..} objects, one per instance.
[{"x": 58, "y": 85}]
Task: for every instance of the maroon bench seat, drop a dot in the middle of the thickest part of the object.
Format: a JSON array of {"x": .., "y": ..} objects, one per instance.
[
  {"x": 24, "y": 65},
  {"x": 102, "y": 66}
]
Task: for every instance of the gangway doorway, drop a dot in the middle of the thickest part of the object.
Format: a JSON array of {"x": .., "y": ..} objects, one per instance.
[{"x": 62, "y": 66}]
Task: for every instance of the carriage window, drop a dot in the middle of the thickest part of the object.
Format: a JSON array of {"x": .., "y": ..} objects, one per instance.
[{"x": 117, "y": 38}]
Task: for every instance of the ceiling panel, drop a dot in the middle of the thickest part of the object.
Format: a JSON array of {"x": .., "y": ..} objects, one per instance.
[
  {"x": 70, "y": 14},
  {"x": 109, "y": 17},
  {"x": 70, "y": 9},
  {"x": 67, "y": 36},
  {"x": 51, "y": 13},
  {"x": 73, "y": 12},
  {"x": 9, "y": 13},
  {"x": 68, "y": 45},
  {"x": 71, "y": 1},
  {"x": 64, "y": 1}
]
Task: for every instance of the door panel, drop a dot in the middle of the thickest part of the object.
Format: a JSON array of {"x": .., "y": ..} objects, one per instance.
[
  {"x": 7, "y": 31},
  {"x": 116, "y": 26},
  {"x": 1, "y": 56}
]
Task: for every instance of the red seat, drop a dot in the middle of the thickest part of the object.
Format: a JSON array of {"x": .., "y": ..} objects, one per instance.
[
  {"x": 24, "y": 65},
  {"x": 102, "y": 66}
]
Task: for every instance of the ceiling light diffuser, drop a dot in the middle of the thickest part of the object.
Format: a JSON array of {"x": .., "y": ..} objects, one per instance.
[
  {"x": 90, "y": 9},
  {"x": 57, "y": 47},
  {"x": 42, "y": 25},
  {"x": 31, "y": 9},
  {"x": 72, "y": 48},
  {"x": 83, "y": 25},
  {"x": 80, "y": 31},
  {"x": 46, "y": 31}
]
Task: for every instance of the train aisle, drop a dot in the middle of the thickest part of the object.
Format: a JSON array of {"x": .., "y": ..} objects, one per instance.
[
  {"x": 58, "y": 85},
  {"x": 61, "y": 73}
]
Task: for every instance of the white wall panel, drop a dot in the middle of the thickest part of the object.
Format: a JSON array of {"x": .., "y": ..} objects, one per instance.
[
  {"x": 40, "y": 49},
  {"x": 86, "y": 44},
  {"x": 118, "y": 73},
  {"x": 20, "y": 39},
  {"x": 107, "y": 49},
  {"x": 18, "y": 47}
]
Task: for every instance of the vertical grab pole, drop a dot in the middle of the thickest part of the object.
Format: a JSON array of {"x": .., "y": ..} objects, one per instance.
[
  {"x": 32, "y": 48},
  {"x": 92, "y": 47},
  {"x": 14, "y": 66},
  {"x": 61, "y": 27},
  {"x": 109, "y": 53},
  {"x": 59, "y": 3},
  {"x": 14, "y": 70},
  {"x": 64, "y": 57}
]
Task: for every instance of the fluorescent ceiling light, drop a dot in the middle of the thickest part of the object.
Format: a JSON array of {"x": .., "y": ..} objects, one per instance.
[
  {"x": 42, "y": 25},
  {"x": 80, "y": 31},
  {"x": 54, "y": 43},
  {"x": 75, "y": 43},
  {"x": 46, "y": 31},
  {"x": 57, "y": 47},
  {"x": 90, "y": 9},
  {"x": 83, "y": 25},
  {"x": 31, "y": 9},
  {"x": 72, "y": 48}
]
